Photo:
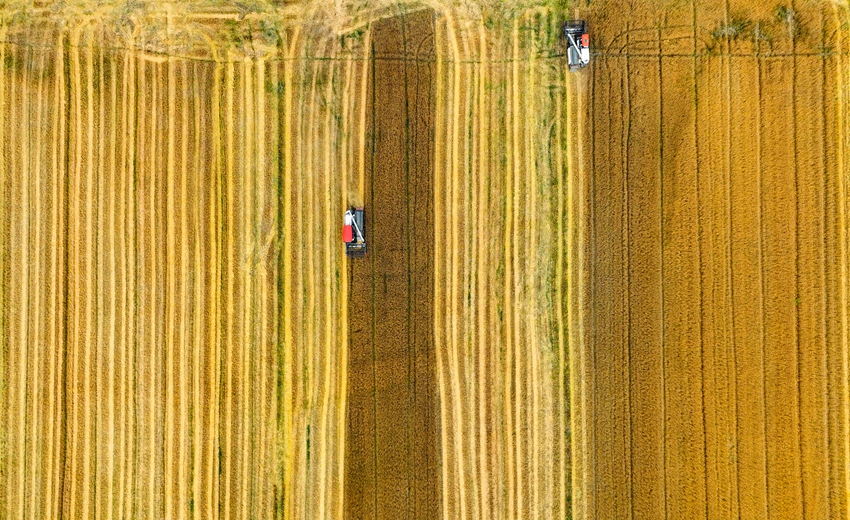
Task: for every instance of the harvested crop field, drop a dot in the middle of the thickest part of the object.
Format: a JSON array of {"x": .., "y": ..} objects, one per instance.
[
  {"x": 710, "y": 345},
  {"x": 616, "y": 292},
  {"x": 166, "y": 352},
  {"x": 182, "y": 333}
]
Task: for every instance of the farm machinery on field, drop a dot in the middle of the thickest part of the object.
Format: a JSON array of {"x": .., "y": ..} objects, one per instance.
[
  {"x": 578, "y": 44},
  {"x": 354, "y": 232}
]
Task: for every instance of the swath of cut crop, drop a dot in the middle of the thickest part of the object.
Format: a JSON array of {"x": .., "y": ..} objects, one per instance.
[
  {"x": 168, "y": 318},
  {"x": 496, "y": 154}
]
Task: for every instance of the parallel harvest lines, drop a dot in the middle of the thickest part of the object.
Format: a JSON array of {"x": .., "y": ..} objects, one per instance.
[
  {"x": 497, "y": 153},
  {"x": 152, "y": 318}
]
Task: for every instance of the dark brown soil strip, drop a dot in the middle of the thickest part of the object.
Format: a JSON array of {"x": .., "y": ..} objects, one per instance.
[{"x": 391, "y": 458}]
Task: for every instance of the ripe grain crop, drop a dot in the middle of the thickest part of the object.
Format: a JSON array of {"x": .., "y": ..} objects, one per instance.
[{"x": 709, "y": 312}]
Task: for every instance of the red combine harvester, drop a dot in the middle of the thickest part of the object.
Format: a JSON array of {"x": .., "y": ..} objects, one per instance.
[
  {"x": 354, "y": 232},
  {"x": 578, "y": 44}
]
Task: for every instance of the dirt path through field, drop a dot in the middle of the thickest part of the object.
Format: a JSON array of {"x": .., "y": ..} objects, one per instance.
[
  {"x": 391, "y": 464},
  {"x": 710, "y": 299}
]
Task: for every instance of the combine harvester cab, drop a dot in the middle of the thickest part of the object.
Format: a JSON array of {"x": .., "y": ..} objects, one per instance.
[
  {"x": 354, "y": 232},
  {"x": 578, "y": 44}
]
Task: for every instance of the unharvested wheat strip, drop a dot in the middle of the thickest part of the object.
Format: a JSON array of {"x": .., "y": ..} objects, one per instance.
[
  {"x": 10, "y": 485},
  {"x": 123, "y": 339},
  {"x": 261, "y": 398},
  {"x": 574, "y": 259},
  {"x": 248, "y": 193},
  {"x": 473, "y": 263},
  {"x": 14, "y": 478},
  {"x": 531, "y": 276},
  {"x": 364, "y": 74},
  {"x": 4, "y": 248},
  {"x": 457, "y": 427},
  {"x": 559, "y": 298},
  {"x": 517, "y": 279},
  {"x": 21, "y": 271},
  {"x": 99, "y": 272},
  {"x": 264, "y": 235},
  {"x": 481, "y": 215},
  {"x": 136, "y": 83},
  {"x": 438, "y": 248},
  {"x": 843, "y": 241},
  {"x": 329, "y": 294},
  {"x": 184, "y": 276},
  {"x": 212, "y": 322},
  {"x": 496, "y": 117},
  {"x": 30, "y": 312},
  {"x": 72, "y": 266},
  {"x": 171, "y": 343},
  {"x": 151, "y": 246},
  {"x": 113, "y": 241},
  {"x": 90, "y": 323},
  {"x": 553, "y": 411},
  {"x": 19, "y": 276},
  {"x": 53, "y": 276},
  {"x": 450, "y": 461},
  {"x": 214, "y": 337},
  {"x": 464, "y": 317},
  {"x": 469, "y": 257},
  {"x": 138, "y": 152},
  {"x": 345, "y": 155},
  {"x": 508, "y": 306},
  {"x": 312, "y": 283},
  {"x": 103, "y": 299},
  {"x": 289, "y": 446},
  {"x": 61, "y": 203},
  {"x": 300, "y": 392},
  {"x": 37, "y": 461},
  {"x": 226, "y": 470},
  {"x": 198, "y": 306}
]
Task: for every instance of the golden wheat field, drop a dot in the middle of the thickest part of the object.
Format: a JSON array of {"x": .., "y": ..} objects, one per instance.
[
  {"x": 710, "y": 341},
  {"x": 617, "y": 292}
]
